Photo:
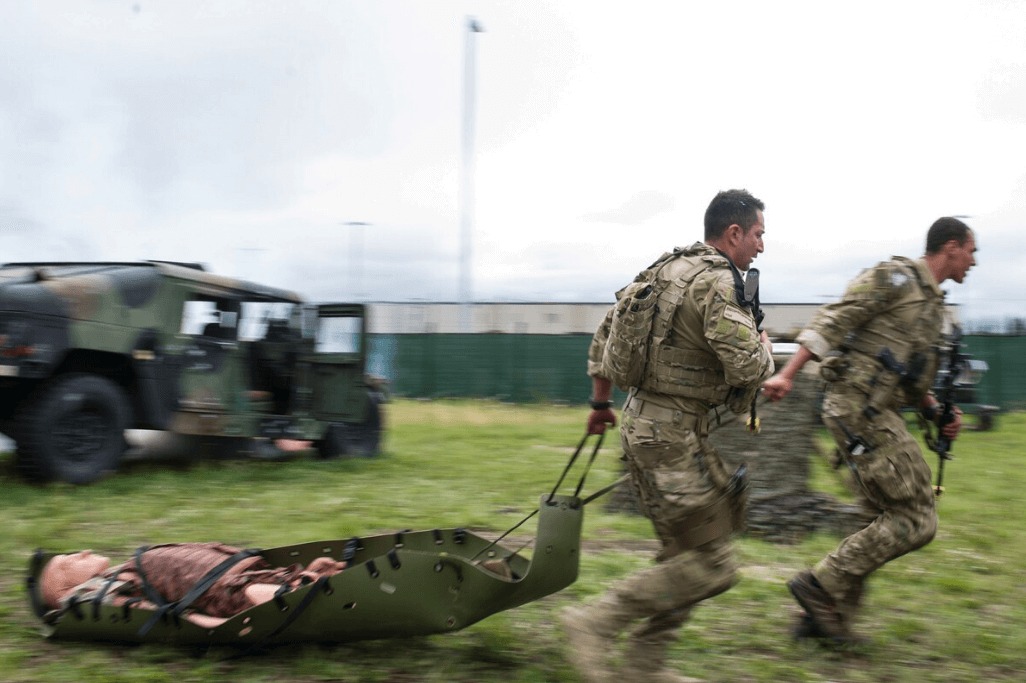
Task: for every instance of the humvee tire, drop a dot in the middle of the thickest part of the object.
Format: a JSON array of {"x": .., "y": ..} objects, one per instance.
[
  {"x": 73, "y": 430},
  {"x": 334, "y": 443},
  {"x": 366, "y": 437}
]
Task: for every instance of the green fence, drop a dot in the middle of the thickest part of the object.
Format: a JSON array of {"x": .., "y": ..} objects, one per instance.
[
  {"x": 1004, "y": 384},
  {"x": 508, "y": 367},
  {"x": 537, "y": 367}
]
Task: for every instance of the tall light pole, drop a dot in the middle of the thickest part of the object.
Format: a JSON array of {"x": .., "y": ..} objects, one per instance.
[
  {"x": 355, "y": 258},
  {"x": 467, "y": 177}
]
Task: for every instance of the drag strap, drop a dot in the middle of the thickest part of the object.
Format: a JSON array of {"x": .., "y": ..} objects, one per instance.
[
  {"x": 606, "y": 489},
  {"x": 573, "y": 459}
]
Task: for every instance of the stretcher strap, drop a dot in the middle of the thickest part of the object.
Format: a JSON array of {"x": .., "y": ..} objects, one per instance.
[
  {"x": 605, "y": 489},
  {"x": 101, "y": 594},
  {"x": 201, "y": 587},
  {"x": 321, "y": 585},
  {"x": 32, "y": 584},
  {"x": 573, "y": 459},
  {"x": 559, "y": 482}
]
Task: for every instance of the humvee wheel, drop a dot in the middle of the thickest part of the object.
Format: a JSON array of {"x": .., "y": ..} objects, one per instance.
[
  {"x": 366, "y": 437},
  {"x": 73, "y": 430},
  {"x": 334, "y": 444}
]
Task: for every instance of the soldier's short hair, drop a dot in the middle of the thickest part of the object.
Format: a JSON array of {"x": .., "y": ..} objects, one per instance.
[
  {"x": 729, "y": 207},
  {"x": 944, "y": 230}
]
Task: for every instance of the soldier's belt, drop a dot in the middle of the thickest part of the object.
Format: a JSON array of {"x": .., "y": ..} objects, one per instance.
[{"x": 639, "y": 407}]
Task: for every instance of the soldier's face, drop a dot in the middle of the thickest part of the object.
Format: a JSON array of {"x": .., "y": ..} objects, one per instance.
[
  {"x": 751, "y": 244},
  {"x": 963, "y": 257}
]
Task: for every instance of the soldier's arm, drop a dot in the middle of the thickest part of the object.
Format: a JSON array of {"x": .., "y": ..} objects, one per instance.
[
  {"x": 601, "y": 388},
  {"x": 780, "y": 385},
  {"x": 870, "y": 293},
  {"x": 745, "y": 353},
  {"x": 598, "y": 344}
]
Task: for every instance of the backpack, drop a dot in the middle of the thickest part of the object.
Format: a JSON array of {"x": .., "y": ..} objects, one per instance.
[{"x": 630, "y": 330}]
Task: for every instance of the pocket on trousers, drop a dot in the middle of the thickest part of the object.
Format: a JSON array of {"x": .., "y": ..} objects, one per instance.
[{"x": 898, "y": 475}]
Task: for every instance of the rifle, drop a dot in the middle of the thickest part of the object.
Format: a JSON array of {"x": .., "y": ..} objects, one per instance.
[
  {"x": 748, "y": 296},
  {"x": 941, "y": 445}
]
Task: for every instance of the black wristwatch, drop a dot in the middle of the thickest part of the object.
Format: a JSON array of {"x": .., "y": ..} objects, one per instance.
[{"x": 599, "y": 405}]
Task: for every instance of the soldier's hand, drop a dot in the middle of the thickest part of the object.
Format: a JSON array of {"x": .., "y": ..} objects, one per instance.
[
  {"x": 598, "y": 419},
  {"x": 777, "y": 387},
  {"x": 951, "y": 429}
]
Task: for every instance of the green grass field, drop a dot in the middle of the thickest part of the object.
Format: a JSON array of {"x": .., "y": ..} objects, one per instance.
[{"x": 954, "y": 611}]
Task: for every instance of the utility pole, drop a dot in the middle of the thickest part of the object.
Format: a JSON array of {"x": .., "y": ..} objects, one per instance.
[{"x": 465, "y": 292}]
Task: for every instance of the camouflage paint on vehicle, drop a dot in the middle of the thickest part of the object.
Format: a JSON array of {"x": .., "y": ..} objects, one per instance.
[{"x": 90, "y": 349}]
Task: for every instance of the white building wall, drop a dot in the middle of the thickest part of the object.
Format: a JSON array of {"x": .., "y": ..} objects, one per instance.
[{"x": 783, "y": 321}]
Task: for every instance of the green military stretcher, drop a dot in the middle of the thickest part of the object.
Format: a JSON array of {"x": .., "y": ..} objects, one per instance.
[{"x": 411, "y": 583}]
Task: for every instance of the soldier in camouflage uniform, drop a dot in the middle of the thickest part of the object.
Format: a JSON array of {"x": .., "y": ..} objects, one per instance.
[
  {"x": 878, "y": 345},
  {"x": 700, "y": 351}
]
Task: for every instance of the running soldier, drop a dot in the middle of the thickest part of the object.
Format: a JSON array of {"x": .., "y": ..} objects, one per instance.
[
  {"x": 878, "y": 347},
  {"x": 682, "y": 339}
]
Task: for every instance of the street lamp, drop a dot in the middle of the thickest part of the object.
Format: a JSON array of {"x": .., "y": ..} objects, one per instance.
[{"x": 467, "y": 184}]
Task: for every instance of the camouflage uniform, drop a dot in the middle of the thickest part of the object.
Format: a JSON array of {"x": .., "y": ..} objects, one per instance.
[
  {"x": 896, "y": 305},
  {"x": 705, "y": 352}
]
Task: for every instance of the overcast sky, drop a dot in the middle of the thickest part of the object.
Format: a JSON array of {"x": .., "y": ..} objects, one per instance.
[{"x": 247, "y": 135}]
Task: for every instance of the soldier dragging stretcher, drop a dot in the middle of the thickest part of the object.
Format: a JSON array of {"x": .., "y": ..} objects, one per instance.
[
  {"x": 682, "y": 339},
  {"x": 879, "y": 351}
]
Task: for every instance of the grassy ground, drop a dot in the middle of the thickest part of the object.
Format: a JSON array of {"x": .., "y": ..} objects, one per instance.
[{"x": 954, "y": 611}]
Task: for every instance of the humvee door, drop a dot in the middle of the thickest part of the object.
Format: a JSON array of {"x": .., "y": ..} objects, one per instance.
[{"x": 337, "y": 386}]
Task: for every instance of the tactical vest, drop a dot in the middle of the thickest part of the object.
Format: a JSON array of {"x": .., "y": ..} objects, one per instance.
[
  {"x": 641, "y": 350},
  {"x": 910, "y": 330}
]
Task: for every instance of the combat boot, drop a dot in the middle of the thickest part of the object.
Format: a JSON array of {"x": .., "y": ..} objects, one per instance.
[
  {"x": 805, "y": 628},
  {"x": 591, "y": 633},
  {"x": 648, "y": 665},
  {"x": 648, "y": 646},
  {"x": 822, "y": 618}
]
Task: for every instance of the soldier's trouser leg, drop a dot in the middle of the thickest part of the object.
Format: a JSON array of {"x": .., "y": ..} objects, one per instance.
[
  {"x": 665, "y": 594},
  {"x": 660, "y": 597},
  {"x": 679, "y": 482},
  {"x": 894, "y": 478}
]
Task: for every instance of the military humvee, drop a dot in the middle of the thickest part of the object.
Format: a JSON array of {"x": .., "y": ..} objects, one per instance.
[{"x": 88, "y": 350}]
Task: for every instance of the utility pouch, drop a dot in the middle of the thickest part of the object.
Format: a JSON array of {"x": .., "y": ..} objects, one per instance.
[
  {"x": 833, "y": 368},
  {"x": 884, "y": 386},
  {"x": 740, "y": 400},
  {"x": 630, "y": 334}
]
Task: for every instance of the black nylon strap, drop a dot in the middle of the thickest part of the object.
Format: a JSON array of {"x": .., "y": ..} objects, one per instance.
[
  {"x": 319, "y": 586},
  {"x": 350, "y": 549},
  {"x": 201, "y": 587},
  {"x": 559, "y": 482},
  {"x": 316, "y": 589},
  {"x": 204, "y": 584},
  {"x": 148, "y": 590},
  {"x": 98, "y": 600},
  {"x": 32, "y": 584}
]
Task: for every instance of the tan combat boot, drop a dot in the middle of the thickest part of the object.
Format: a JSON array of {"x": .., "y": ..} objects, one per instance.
[
  {"x": 591, "y": 633},
  {"x": 645, "y": 661},
  {"x": 822, "y": 619}
]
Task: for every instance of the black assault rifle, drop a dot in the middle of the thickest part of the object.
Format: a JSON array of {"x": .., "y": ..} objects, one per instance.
[{"x": 941, "y": 445}]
